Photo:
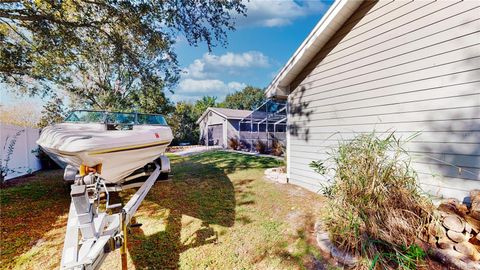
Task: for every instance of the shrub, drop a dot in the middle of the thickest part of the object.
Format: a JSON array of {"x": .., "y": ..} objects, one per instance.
[
  {"x": 234, "y": 143},
  {"x": 261, "y": 147},
  {"x": 277, "y": 148},
  {"x": 376, "y": 208}
]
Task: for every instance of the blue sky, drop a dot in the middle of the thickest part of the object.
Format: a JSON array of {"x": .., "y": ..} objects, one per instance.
[{"x": 256, "y": 51}]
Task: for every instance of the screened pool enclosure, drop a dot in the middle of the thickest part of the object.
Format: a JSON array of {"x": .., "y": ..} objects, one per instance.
[{"x": 266, "y": 124}]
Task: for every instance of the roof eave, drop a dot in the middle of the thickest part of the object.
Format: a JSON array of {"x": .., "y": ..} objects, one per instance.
[
  {"x": 203, "y": 115},
  {"x": 217, "y": 112},
  {"x": 333, "y": 19}
]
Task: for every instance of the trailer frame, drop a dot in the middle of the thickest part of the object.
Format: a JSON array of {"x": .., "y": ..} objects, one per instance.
[{"x": 92, "y": 233}]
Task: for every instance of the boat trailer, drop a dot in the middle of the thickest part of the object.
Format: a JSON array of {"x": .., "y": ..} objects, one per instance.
[{"x": 92, "y": 233}]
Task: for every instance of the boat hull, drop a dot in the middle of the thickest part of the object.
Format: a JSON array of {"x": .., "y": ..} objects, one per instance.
[{"x": 119, "y": 152}]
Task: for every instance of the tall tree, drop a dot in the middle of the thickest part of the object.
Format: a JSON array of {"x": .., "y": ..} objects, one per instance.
[
  {"x": 53, "y": 112},
  {"x": 182, "y": 121},
  {"x": 248, "y": 98},
  {"x": 101, "y": 82},
  {"x": 202, "y": 104},
  {"x": 152, "y": 99},
  {"x": 110, "y": 48}
]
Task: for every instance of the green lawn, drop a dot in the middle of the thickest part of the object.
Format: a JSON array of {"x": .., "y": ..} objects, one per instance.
[{"x": 217, "y": 213}]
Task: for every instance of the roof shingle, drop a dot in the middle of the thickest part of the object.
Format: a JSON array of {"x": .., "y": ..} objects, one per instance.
[{"x": 232, "y": 113}]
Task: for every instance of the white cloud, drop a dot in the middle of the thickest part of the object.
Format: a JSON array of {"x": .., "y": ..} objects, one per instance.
[
  {"x": 196, "y": 69},
  {"x": 244, "y": 60},
  {"x": 210, "y": 64},
  {"x": 236, "y": 85},
  {"x": 192, "y": 89},
  {"x": 198, "y": 87},
  {"x": 204, "y": 75},
  {"x": 274, "y": 13}
]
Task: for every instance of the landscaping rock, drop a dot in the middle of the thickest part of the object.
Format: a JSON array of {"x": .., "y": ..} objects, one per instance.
[
  {"x": 461, "y": 247},
  {"x": 323, "y": 242},
  {"x": 465, "y": 248},
  {"x": 276, "y": 175},
  {"x": 475, "y": 204},
  {"x": 468, "y": 227},
  {"x": 445, "y": 243},
  {"x": 468, "y": 249},
  {"x": 462, "y": 209},
  {"x": 454, "y": 223},
  {"x": 437, "y": 230},
  {"x": 326, "y": 246},
  {"x": 475, "y": 240},
  {"x": 456, "y": 237},
  {"x": 342, "y": 257},
  {"x": 446, "y": 207},
  {"x": 452, "y": 206},
  {"x": 454, "y": 258},
  {"x": 474, "y": 223}
]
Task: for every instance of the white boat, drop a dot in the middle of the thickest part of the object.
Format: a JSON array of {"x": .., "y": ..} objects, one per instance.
[
  {"x": 112, "y": 145},
  {"x": 105, "y": 152}
]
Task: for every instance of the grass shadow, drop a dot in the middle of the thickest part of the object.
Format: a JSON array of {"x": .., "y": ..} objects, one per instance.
[{"x": 200, "y": 190}]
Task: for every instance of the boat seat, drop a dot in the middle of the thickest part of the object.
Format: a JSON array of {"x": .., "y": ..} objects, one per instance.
[{"x": 119, "y": 127}]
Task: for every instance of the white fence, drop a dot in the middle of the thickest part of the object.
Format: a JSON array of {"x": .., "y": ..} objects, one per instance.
[{"x": 22, "y": 159}]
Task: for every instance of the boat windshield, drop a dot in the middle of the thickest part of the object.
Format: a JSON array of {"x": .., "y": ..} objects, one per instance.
[{"x": 116, "y": 118}]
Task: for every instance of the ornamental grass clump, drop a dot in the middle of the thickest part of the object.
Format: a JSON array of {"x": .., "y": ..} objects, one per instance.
[
  {"x": 277, "y": 148},
  {"x": 234, "y": 143},
  {"x": 261, "y": 147},
  {"x": 376, "y": 209}
]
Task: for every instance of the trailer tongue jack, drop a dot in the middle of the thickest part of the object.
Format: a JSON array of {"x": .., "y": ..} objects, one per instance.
[{"x": 91, "y": 232}]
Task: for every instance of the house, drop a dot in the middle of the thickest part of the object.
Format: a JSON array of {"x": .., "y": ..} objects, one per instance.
[
  {"x": 218, "y": 125},
  {"x": 403, "y": 66}
]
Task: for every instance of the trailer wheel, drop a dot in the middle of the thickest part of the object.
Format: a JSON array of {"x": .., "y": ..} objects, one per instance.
[{"x": 163, "y": 176}]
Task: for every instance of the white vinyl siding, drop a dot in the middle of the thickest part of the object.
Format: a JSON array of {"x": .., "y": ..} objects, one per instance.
[
  {"x": 404, "y": 66},
  {"x": 229, "y": 127},
  {"x": 212, "y": 119}
]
